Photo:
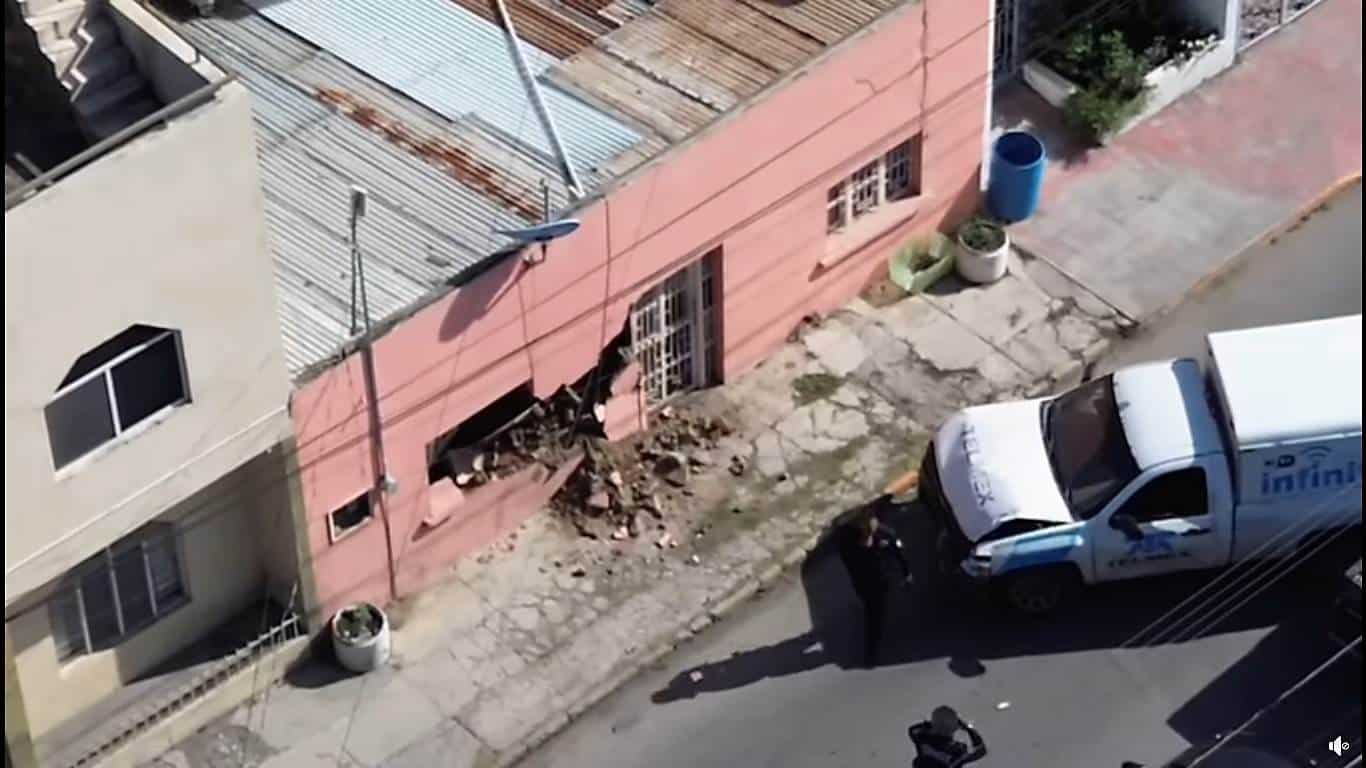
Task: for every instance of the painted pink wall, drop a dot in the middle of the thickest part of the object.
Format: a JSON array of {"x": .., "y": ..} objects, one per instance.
[{"x": 757, "y": 187}]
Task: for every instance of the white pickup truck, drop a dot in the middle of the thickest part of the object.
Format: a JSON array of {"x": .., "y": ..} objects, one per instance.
[{"x": 1156, "y": 468}]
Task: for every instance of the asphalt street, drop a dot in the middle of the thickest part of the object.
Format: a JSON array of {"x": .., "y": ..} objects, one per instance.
[{"x": 772, "y": 685}]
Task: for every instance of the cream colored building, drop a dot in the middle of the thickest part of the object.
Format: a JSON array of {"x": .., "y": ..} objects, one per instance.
[{"x": 148, "y": 492}]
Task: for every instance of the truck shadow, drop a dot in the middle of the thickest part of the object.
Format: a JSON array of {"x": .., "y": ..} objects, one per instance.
[{"x": 928, "y": 621}]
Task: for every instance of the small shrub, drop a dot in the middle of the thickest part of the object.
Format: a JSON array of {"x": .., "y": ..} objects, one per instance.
[
  {"x": 982, "y": 235},
  {"x": 358, "y": 623},
  {"x": 1097, "y": 115}
]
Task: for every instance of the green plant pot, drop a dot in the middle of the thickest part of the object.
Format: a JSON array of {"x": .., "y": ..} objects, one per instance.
[{"x": 917, "y": 266}]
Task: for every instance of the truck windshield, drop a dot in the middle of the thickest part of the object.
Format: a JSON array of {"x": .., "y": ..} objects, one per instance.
[{"x": 1086, "y": 447}]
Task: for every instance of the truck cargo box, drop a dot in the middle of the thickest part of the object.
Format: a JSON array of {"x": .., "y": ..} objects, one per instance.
[{"x": 1290, "y": 398}]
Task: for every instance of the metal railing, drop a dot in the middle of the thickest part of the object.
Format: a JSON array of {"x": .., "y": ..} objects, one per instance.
[{"x": 204, "y": 683}]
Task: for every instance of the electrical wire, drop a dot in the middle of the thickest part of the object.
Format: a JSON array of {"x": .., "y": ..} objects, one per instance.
[{"x": 1284, "y": 695}]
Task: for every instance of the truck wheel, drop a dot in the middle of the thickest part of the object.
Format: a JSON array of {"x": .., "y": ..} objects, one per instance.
[{"x": 1040, "y": 591}]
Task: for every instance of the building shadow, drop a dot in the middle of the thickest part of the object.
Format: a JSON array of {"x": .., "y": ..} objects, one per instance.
[
  {"x": 935, "y": 619},
  {"x": 1016, "y": 107}
]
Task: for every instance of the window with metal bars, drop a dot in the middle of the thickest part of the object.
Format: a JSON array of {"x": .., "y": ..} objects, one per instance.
[
  {"x": 673, "y": 332},
  {"x": 893, "y": 176},
  {"x": 124, "y": 588}
]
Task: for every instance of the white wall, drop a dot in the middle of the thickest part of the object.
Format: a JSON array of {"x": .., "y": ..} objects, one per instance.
[{"x": 167, "y": 230}]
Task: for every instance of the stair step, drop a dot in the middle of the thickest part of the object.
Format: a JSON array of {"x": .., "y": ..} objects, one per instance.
[
  {"x": 99, "y": 70},
  {"x": 61, "y": 53},
  {"x": 34, "y": 7},
  {"x": 97, "y": 33},
  {"x": 94, "y": 101},
  {"x": 121, "y": 115},
  {"x": 58, "y": 21}
]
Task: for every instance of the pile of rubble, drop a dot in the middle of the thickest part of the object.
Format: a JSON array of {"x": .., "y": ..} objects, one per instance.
[{"x": 619, "y": 490}]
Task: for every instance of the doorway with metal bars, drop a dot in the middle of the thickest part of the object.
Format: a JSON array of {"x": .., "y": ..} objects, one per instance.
[{"x": 673, "y": 332}]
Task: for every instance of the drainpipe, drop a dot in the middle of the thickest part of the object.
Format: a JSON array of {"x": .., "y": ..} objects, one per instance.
[
  {"x": 381, "y": 483},
  {"x": 571, "y": 179}
]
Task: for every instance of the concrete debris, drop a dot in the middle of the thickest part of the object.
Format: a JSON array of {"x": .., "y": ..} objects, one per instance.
[
  {"x": 665, "y": 541},
  {"x": 616, "y": 483},
  {"x": 695, "y": 560},
  {"x": 738, "y": 465}
]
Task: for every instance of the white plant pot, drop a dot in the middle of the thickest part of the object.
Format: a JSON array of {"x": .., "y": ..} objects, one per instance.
[
  {"x": 366, "y": 655},
  {"x": 983, "y": 267}
]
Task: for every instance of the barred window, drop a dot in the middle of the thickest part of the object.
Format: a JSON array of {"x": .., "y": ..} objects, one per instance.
[
  {"x": 891, "y": 177},
  {"x": 119, "y": 591}
]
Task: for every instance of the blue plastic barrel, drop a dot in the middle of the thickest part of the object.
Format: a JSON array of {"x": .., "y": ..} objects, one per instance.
[{"x": 1017, "y": 166}]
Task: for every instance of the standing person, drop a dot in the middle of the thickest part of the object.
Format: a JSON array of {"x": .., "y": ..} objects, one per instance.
[
  {"x": 936, "y": 745},
  {"x": 868, "y": 547}
]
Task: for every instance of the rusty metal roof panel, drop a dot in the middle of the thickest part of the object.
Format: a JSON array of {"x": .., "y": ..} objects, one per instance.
[
  {"x": 741, "y": 28},
  {"x": 558, "y": 29},
  {"x": 674, "y": 54},
  {"x": 666, "y": 110},
  {"x": 827, "y": 21},
  {"x": 453, "y": 62}
]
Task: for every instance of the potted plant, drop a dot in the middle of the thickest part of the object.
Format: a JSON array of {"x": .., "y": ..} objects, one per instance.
[
  {"x": 983, "y": 247},
  {"x": 920, "y": 263},
  {"x": 360, "y": 637}
]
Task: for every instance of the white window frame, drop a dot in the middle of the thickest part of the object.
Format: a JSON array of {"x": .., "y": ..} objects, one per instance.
[
  {"x": 658, "y": 345},
  {"x": 106, "y": 370},
  {"x": 85, "y": 645},
  {"x": 335, "y": 535},
  {"x": 843, "y": 199}
]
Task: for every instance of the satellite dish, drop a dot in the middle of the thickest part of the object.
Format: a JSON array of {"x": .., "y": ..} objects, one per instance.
[{"x": 541, "y": 233}]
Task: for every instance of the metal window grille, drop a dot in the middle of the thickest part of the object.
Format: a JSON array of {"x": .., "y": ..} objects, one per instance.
[
  {"x": 864, "y": 189},
  {"x": 835, "y": 215},
  {"x": 671, "y": 333},
  {"x": 119, "y": 591},
  {"x": 898, "y": 162},
  {"x": 895, "y": 175}
]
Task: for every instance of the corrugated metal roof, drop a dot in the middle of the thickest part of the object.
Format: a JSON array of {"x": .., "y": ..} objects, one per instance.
[
  {"x": 418, "y": 101},
  {"x": 454, "y": 63}
]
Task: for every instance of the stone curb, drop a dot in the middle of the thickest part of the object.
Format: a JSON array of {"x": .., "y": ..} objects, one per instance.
[{"x": 1274, "y": 231}]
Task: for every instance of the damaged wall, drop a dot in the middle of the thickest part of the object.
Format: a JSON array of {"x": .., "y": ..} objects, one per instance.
[{"x": 755, "y": 185}]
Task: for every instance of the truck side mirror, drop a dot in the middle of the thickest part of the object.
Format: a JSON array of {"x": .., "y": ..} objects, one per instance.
[{"x": 1127, "y": 525}]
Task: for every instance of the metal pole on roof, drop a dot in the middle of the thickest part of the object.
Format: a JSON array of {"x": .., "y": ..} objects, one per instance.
[{"x": 571, "y": 179}]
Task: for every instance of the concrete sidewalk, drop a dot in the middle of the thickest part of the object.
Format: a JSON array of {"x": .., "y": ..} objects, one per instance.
[
  {"x": 1168, "y": 202},
  {"x": 527, "y": 636}
]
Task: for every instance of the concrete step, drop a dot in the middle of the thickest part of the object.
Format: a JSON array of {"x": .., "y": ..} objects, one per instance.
[
  {"x": 97, "y": 33},
  {"x": 96, "y": 100},
  {"x": 99, "y": 71},
  {"x": 122, "y": 115},
  {"x": 34, "y": 7},
  {"x": 57, "y": 22},
  {"x": 61, "y": 53}
]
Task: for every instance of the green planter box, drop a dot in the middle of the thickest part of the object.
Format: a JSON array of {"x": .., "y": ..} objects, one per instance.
[{"x": 919, "y": 265}]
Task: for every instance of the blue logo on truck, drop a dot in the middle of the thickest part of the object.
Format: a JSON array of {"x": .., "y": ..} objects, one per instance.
[{"x": 1311, "y": 470}]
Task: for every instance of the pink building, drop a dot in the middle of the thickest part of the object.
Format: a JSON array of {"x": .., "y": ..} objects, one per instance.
[{"x": 745, "y": 163}]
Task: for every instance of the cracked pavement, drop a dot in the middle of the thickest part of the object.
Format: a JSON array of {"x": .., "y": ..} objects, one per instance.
[{"x": 525, "y": 637}]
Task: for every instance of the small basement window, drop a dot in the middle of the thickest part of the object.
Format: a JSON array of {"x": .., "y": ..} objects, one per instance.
[
  {"x": 127, "y": 380},
  {"x": 351, "y": 517},
  {"x": 444, "y": 454}
]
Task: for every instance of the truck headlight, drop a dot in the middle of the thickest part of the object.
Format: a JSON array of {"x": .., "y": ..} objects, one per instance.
[{"x": 977, "y": 565}]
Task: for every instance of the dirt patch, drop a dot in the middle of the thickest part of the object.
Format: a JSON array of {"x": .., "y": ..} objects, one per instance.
[{"x": 883, "y": 293}]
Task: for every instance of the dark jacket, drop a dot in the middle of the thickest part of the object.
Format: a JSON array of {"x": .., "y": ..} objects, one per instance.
[
  {"x": 936, "y": 751},
  {"x": 876, "y": 567}
]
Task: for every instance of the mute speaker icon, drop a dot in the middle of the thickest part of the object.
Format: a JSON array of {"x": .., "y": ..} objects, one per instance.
[{"x": 1339, "y": 746}]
